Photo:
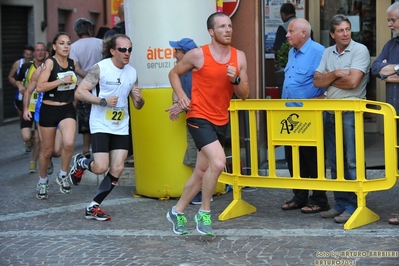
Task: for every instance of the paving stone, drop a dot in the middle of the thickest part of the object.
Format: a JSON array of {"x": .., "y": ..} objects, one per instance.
[{"x": 55, "y": 232}]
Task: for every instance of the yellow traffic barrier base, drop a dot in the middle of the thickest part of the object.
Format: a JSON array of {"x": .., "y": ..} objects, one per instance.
[
  {"x": 238, "y": 207},
  {"x": 362, "y": 216}
]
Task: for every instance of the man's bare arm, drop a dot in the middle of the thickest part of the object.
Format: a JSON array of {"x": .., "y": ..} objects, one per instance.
[
  {"x": 189, "y": 62},
  {"x": 12, "y": 72},
  {"x": 325, "y": 79},
  {"x": 79, "y": 70},
  {"x": 348, "y": 82},
  {"x": 388, "y": 70},
  {"x": 137, "y": 96},
  {"x": 242, "y": 90},
  {"x": 28, "y": 92},
  {"x": 392, "y": 79},
  {"x": 88, "y": 83}
]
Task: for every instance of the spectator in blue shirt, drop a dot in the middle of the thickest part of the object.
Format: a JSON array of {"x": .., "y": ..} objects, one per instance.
[
  {"x": 386, "y": 67},
  {"x": 303, "y": 59}
]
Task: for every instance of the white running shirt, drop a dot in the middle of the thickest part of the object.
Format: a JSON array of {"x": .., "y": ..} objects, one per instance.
[{"x": 113, "y": 82}]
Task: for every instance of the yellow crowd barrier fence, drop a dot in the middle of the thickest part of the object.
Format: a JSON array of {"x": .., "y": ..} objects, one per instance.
[{"x": 302, "y": 125}]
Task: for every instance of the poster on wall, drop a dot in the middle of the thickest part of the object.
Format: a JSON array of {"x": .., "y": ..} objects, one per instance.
[
  {"x": 273, "y": 18},
  {"x": 152, "y": 56},
  {"x": 114, "y": 11}
]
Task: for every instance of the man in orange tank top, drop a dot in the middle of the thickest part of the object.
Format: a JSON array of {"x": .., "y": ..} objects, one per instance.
[{"x": 219, "y": 71}]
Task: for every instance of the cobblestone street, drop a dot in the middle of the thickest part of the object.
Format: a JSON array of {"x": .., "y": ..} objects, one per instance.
[{"x": 55, "y": 231}]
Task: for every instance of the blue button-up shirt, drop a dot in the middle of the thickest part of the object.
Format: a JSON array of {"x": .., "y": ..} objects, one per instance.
[
  {"x": 300, "y": 69},
  {"x": 390, "y": 53}
]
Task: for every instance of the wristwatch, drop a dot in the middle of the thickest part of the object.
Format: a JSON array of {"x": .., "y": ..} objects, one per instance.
[
  {"x": 237, "y": 81},
  {"x": 103, "y": 102},
  {"x": 396, "y": 68}
]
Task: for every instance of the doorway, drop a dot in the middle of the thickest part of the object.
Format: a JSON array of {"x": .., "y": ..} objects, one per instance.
[{"x": 14, "y": 36}]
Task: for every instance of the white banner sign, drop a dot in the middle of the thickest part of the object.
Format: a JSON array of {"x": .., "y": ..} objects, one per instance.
[{"x": 151, "y": 24}]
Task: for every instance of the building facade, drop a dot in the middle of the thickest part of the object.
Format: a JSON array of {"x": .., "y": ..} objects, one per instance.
[{"x": 29, "y": 21}]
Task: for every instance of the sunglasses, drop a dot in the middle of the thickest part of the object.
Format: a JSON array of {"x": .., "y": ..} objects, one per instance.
[
  {"x": 124, "y": 49},
  {"x": 180, "y": 50}
]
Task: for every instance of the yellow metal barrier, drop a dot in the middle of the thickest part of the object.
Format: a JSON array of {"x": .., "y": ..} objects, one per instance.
[{"x": 303, "y": 126}]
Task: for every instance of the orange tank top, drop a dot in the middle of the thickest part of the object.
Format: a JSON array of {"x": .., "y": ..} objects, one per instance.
[{"x": 211, "y": 89}]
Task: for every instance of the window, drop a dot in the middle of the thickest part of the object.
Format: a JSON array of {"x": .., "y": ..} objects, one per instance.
[
  {"x": 63, "y": 15},
  {"x": 362, "y": 15}
]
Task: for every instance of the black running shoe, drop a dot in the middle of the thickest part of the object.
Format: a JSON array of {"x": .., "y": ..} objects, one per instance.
[{"x": 76, "y": 173}]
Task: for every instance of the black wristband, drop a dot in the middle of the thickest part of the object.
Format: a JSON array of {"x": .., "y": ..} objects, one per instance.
[{"x": 237, "y": 81}]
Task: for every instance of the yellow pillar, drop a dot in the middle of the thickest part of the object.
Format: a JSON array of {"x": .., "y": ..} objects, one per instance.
[{"x": 159, "y": 143}]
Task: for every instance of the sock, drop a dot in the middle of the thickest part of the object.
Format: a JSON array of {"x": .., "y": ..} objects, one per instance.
[
  {"x": 175, "y": 212},
  {"x": 85, "y": 163},
  {"x": 62, "y": 174},
  {"x": 91, "y": 205},
  {"x": 43, "y": 180},
  {"x": 203, "y": 211},
  {"x": 105, "y": 188}
]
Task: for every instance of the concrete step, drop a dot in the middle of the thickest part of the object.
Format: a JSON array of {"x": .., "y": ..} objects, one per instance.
[{"x": 128, "y": 177}]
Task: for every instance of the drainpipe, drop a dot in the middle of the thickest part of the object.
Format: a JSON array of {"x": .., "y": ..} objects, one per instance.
[
  {"x": 44, "y": 22},
  {"x": 105, "y": 13}
]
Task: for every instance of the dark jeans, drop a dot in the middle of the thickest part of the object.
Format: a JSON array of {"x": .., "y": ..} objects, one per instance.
[
  {"x": 308, "y": 169},
  {"x": 344, "y": 201}
]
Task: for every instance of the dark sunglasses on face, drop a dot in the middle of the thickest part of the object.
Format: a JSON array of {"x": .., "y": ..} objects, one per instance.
[
  {"x": 180, "y": 50},
  {"x": 124, "y": 49}
]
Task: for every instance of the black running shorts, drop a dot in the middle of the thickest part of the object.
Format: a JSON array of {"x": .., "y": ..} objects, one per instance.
[
  {"x": 27, "y": 123},
  {"x": 204, "y": 132},
  {"x": 52, "y": 115},
  {"x": 18, "y": 105},
  {"x": 104, "y": 142}
]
